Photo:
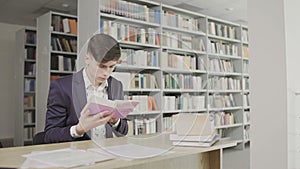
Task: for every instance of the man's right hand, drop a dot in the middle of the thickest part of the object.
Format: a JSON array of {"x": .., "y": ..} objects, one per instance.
[{"x": 88, "y": 121}]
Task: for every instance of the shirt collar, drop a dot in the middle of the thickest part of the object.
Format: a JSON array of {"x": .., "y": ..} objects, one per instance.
[{"x": 88, "y": 83}]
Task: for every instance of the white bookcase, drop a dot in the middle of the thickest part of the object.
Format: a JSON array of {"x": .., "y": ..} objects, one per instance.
[
  {"x": 25, "y": 76},
  {"x": 246, "y": 91},
  {"x": 57, "y": 51},
  {"x": 224, "y": 44},
  {"x": 208, "y": 62}
]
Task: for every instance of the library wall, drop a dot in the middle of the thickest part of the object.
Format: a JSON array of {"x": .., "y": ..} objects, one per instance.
[
  {"x": 268, "y": 72},
  {"x": 7, "y": 74}
]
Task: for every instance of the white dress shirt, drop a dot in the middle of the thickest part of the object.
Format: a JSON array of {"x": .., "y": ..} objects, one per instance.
[{"x": 101, "y": 91}]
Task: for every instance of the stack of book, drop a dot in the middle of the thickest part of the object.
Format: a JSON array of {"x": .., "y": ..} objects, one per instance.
[{"x": 194, "y": 130}]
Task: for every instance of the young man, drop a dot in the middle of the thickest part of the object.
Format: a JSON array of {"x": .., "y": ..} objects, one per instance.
[{"x": 65, "y": 119}]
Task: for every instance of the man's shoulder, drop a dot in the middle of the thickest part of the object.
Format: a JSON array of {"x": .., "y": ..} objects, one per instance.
[
  {"x": 114, "y": 80},
  {"x": 67, "y": 80}
]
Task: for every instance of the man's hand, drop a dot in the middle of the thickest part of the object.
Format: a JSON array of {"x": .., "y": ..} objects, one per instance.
[{"x": 88, "y": 121}]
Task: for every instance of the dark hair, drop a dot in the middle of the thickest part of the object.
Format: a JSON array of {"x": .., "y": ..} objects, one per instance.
[{"x": 104, "y": 48}]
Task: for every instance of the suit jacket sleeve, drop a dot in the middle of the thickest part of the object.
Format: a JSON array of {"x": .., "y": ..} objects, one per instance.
[{"x": 56, "y": 129}]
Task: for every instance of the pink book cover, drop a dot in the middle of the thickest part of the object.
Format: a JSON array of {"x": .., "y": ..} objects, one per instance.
[{"x": 121, "y": 107}]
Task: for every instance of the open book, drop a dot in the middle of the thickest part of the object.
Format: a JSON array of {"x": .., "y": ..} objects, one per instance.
[{"x": 121, "y": 107}]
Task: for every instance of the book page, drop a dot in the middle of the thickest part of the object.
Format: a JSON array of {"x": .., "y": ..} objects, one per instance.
[{"x": 121, "y": 108}]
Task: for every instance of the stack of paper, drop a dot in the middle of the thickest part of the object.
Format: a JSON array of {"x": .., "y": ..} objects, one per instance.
[{"x": 194, "y": 130}]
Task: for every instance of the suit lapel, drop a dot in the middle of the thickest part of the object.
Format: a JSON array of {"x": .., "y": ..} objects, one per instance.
[
  {"x": 78, "y": 92},
  {"x": 109, "y": 89}
]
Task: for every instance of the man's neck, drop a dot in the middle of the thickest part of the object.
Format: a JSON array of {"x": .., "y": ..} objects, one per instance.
[{"x": 93, "y": 81}]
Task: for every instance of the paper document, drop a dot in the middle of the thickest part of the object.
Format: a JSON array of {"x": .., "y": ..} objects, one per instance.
[{"x": 66, "y": 157}]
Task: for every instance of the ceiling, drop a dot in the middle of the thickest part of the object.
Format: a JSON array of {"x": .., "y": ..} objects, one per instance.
[{"x": 24, "y": 12}]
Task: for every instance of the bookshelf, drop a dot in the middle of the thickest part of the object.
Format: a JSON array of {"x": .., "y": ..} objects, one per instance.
[
  {"x": 246, "y": 91},
  {"x": 57, "y": 51},
  {"x": 25, "y": 76},
  {"x": 225, "y": 59},
  {"x": 200, "y": 59}
]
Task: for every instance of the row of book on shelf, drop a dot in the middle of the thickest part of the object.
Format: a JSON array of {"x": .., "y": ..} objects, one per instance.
[
  {"x": 130, "y": 10},
  {"x": 222, "y": 30},
  {"x": 245, "y": 37},
  {"x": 224, "y": 118},
  {"x": 182, "y": 41},
  {"x": 29, "y": 117},
  {"x": 139, "y": 57},
  {"x": 246, "y": 52},
  {"x": 30, "y": 37},
  {"x": 223, "y": 48},
  {"x": 29, "y": 101},
  {"x": 246, "y": 100},
  {"x": 30, "y": 53},
  {"x": 246, "y": 116},
  {"x": 221, "y": 101},
  {"x": 64, "y": 24},
  {"x": 183, "y": 102},
  {"x": 247, "y": 133},
  {"x": 29, "y": 132},
  {"x": 177, "y": 20},
  {"x": 182, "y": 62},
  {"x": 29, "y": 68},
  {"x": 186, "y": 101},
  {"x": 142, "y": 126},
  {"x": 246, "y": 66},
  {"x": 62, "y": 63},
  {"x": 136, "y": 80},
  {"x": 131, "y": 33},
  {"x": 29, "y": 85},
  {"x": 224, "y": 83},
  {"x": 148, "y": 81},
  {"x": 146, "y": 103},
  {"x": 182, "y": 81},
  {"x": 221, "y": 65},
  {"x": 63, "y": 44}
]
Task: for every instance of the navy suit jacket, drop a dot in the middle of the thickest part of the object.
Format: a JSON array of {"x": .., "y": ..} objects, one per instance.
[{"x": 66, "y": 99}]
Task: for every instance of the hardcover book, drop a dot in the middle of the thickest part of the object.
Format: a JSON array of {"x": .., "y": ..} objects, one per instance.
[{"x": 121, "y": 108}]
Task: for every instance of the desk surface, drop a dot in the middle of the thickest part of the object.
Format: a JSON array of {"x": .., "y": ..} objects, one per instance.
[{"x": 12, "y": 157}]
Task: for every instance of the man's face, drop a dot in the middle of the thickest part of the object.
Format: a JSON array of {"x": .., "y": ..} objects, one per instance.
[{"x": 99, "y": 72}]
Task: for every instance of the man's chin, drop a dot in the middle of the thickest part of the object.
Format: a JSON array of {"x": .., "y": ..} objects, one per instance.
[{"x": 100, "y": 80}]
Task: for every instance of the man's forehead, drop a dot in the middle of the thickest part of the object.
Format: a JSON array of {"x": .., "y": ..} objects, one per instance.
[{"x": 109, "y": 63}]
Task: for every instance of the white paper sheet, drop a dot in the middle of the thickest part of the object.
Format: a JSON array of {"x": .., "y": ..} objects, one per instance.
[{"x": 63, "y": 158}]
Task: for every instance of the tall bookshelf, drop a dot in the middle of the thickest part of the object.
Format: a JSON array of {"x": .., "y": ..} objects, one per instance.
[
  {"x": 25, "y": 76},
  {"x": 201, "y": 59},
  {"x": 57, "y": 51},
  {"x": 139, "y": 61},
  {"x": 246, "y": 91}
]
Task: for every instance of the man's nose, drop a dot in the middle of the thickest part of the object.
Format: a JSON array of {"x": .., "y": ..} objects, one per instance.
[{"x": 105, "y": 71}]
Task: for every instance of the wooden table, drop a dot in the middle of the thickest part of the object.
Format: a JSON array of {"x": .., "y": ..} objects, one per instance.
[{"x": 182, "y": 157}]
